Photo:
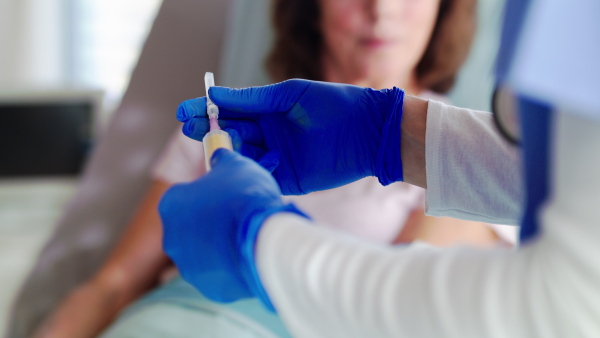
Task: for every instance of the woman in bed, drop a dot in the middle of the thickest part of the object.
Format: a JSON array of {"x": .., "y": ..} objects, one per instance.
[{"x": 415, "y": 45}]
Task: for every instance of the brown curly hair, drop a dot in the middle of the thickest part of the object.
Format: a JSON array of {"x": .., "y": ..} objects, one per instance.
[{"x": 298, "y": 43}]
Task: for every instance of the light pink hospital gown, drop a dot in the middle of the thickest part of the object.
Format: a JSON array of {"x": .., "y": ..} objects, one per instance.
[{"x": 363, "y": 208}]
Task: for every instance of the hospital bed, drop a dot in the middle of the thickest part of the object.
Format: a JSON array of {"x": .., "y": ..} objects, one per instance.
[
  {"x": 45, "y": 138},
  {"x": 189, "y": 38}
]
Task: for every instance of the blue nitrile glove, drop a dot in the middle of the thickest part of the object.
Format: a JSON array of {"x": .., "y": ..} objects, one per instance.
[
  {"x": 211, "y": 226},
  {"x": 326, "y": 134}
]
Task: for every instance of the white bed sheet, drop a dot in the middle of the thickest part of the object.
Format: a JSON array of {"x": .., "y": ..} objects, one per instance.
[{"x": 29, "y": 210}]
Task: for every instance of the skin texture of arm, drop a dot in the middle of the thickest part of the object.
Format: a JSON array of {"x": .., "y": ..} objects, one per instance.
[
  {"x": 131, "y": 270},
  {"x": 446, "y": 232},
  {"x": 412, "y": 147}
]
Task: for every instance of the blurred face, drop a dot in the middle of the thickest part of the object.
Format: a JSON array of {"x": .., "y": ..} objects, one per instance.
[{"x": 375, "y": 43}]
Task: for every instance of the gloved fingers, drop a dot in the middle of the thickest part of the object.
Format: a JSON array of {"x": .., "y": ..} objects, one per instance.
[
  {"x": 222, "y": 156},
  {"x": 192, "y": 108},
  {"x": 170, "y": 201},
  {"x": 252, "y": 151},
  {"x": 244, "y": 148},
  {"x": 196, "y": 128},
  {"x": 236, "y": 140},
  {"x": 196, "y": 108},
  {"x": 248, "y": 130},
  {"x": 249, "y": 150},
  {"x": 279, "y": 97},
  {"x": 270, "y": 160}
]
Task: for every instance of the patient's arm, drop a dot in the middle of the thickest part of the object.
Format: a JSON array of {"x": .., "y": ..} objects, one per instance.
[
  {"x": 446, "y": 231},
  {"x": 132, "y": 269}
]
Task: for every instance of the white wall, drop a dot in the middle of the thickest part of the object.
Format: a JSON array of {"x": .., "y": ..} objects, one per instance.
[
  {"x": 33, "y": 43},
  {"x": 6, "y": 41},
  {"x": 107, "y": 38},
  {"x": 474, "y": 86}
]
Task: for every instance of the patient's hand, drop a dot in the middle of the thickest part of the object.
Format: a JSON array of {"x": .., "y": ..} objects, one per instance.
[
  {"x": 167, "y": 274},
  {"x": 132, "y": 269}
]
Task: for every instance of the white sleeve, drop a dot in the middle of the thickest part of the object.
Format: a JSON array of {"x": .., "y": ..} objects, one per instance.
[
  {"x": 472, "y": 172},
  {"x": 182, "y": 160},
  {"x": 326, "y": 285}
]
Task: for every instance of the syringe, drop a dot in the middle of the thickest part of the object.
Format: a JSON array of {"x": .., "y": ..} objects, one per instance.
[
  {"x": 215, "y": 138},
  {"x": 211, "y": 108}
]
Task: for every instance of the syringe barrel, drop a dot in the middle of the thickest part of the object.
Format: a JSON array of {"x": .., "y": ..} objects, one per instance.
[{"x": 214, "y": 140}]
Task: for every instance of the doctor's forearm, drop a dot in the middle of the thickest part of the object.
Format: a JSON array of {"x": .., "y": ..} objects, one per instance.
[
  {"x": 325, "y": 284},
  {"x": 412, "y": 147},
  {"x": 470, "y": 172}
]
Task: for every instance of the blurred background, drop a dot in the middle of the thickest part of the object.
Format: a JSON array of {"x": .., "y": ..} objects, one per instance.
[
  {"x": 56, "y": 56},
  {"x": 64, "y": 68},
  {"x": 49, "y": 44}
]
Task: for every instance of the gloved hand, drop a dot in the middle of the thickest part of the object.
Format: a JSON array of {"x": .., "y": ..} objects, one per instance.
[
  {"x": 211, "y": 226},
  {"x": 326, "y": 134}
]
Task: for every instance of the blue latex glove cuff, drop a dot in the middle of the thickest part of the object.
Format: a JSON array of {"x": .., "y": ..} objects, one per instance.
[
  {"x": 389, "y": 161},
  {"x": 247, "y": 243}
]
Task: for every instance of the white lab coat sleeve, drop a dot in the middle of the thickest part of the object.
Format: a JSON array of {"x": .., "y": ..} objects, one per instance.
[
  {"x": 324, "y": 284},
  {"x": 472, "y": 172}
]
